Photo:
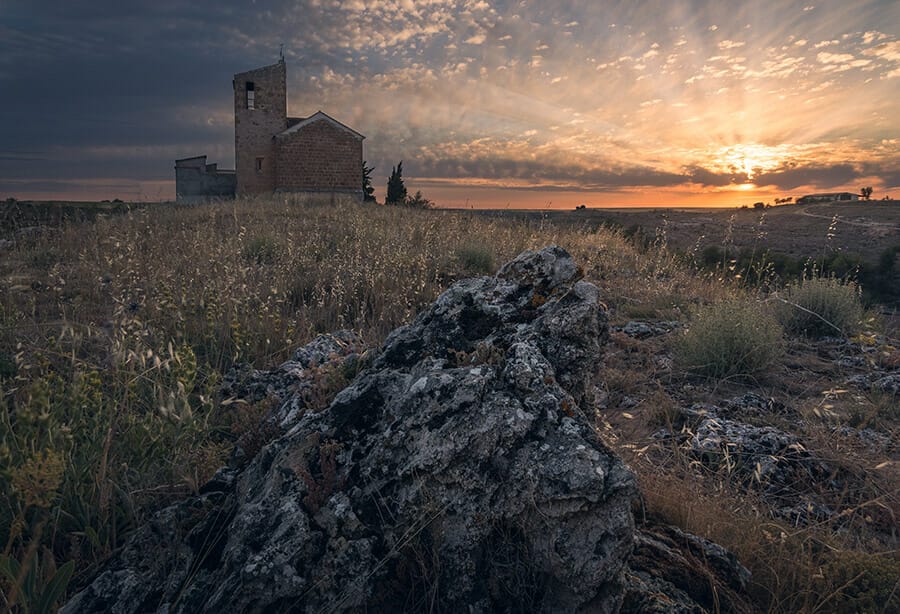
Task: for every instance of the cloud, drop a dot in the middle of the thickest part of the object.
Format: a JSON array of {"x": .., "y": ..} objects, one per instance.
[
  {"x": 885, "y": 51},
  {"x": 872, "y": 36},
  {"x": 516, "y": 173},
  {"x": 834, "y": 58},
  {"x": 706, "y": 177},
  {"x": 779, "y": 68},
  {"x": 789, "y": 177}
]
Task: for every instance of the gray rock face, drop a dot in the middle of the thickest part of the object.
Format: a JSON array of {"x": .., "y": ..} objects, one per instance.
[
  {"x": 763, "y": 458},
  {"x": 877, "y": 382},
  {"x": 292, "y": 382},
  {"x": 672, "y": 571},
  {"x": 456, "y": 471},
  {"x": 645, "y": 330}
]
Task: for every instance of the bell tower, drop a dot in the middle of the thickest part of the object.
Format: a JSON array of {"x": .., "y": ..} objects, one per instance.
[{"x": 260, "y": 112}]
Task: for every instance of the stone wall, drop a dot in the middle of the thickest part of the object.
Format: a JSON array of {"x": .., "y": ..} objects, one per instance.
[
  {"x": 255, "y": 129},
  {"x": 196, "y": 181},
  {"x": 319, "y": 157}
]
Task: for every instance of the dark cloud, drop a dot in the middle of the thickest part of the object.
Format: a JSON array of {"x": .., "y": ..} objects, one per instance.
[
  {"x": 822, "y": 177},
  {"x": 106, "y": 166},
  {"x": 706, "y": 177},
  {"x": 51, "y": 185},
  {"x": 547, "y": 174},
  {"x": 113, "y": 73},
  {"x": 888, "y": 173}
]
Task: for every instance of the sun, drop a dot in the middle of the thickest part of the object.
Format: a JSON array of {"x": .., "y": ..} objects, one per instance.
[{"x": 748, "y": 159}]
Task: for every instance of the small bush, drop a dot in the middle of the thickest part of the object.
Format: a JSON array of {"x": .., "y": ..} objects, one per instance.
[
  {"x": 859, "y": 582},
  {"x": 417, "y": 201},
  {"x": 475, "y": 259},
  {"x": 820, "y": 306},
  {"x": 734, "y": 337}
]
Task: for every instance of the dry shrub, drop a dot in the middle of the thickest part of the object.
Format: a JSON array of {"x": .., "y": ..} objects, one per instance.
[
  {"x": 476, "y": 260},
  {"x": 820, "y": 306},
  {"x": 661, "y": 409},
  {"x": 737, "y": 337},
  {"x": 793, "y": 569},
  {"x": 251, "y": 428}
]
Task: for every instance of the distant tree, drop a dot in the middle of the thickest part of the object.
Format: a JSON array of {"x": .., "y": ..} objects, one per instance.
[
  {"x": 417, "y": 202},
  {"x": 759, "y": 205},
  {"x": 866, "y": 192},
  {"x": 396, "y": 191},
  {"x": 368, "y": 190}
]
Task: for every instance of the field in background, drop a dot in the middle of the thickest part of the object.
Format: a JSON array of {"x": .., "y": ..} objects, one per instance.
[
  {"x": 116, "y": 331},
  {"x": 859, "y": 239},
  {"x": 866, "y": 228}
]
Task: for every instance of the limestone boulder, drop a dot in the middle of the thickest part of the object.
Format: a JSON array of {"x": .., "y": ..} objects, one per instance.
[{"x": 459, "y": 468}]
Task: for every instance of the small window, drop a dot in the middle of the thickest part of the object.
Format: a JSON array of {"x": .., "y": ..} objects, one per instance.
[
  {"x": 259, "y": 162},
  {"x": 251, "y": 95}
]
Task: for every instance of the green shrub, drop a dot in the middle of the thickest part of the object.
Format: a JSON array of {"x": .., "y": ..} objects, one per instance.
[
  {"x": 476, "y": 259},
  {"x": 417, "y": 201},
  {"x": 859, "y": 582},
  {"x": 820, "y": 306},
  {"x": 737, "y": 337}
]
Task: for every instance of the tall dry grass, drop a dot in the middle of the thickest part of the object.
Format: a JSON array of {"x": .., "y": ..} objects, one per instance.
[{"x": 115, "y": 334}]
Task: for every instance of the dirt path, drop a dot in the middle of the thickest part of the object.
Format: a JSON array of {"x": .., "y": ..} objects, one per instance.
[{"x": 807, "y": 211}]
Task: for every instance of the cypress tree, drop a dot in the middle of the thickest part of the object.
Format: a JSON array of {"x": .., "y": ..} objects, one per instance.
[
  {"x": 396, "y": 191},
  {"x": 368, "y": 190}
]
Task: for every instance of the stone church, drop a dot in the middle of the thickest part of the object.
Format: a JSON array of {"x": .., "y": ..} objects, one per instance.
[{"x": 274, "y": 152}]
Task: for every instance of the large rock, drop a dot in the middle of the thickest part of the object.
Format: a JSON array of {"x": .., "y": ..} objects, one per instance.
[{"x": 458, "y": 470}]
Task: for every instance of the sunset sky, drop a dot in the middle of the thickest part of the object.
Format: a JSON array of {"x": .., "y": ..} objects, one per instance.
[{"x": 525, "y": 104}]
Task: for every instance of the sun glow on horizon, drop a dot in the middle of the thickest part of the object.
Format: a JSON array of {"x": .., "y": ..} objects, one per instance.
[{"x": 749, "y": 159}]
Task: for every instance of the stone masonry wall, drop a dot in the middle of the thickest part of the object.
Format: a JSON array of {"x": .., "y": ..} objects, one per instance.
[
  {"x": 254, "y": 129},
  {"x": 319, "y": 157},
  {"x": 197, "y": 185}
]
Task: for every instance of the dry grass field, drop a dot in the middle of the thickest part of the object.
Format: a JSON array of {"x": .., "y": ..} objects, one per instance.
[
  {"x": 859, "y": 240},
  {"x": 866, "y": 228},
  {"x": 117, "y": 330}
]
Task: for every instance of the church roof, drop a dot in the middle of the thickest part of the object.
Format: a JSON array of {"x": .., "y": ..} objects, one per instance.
[{"x": 317, "y": 116}]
